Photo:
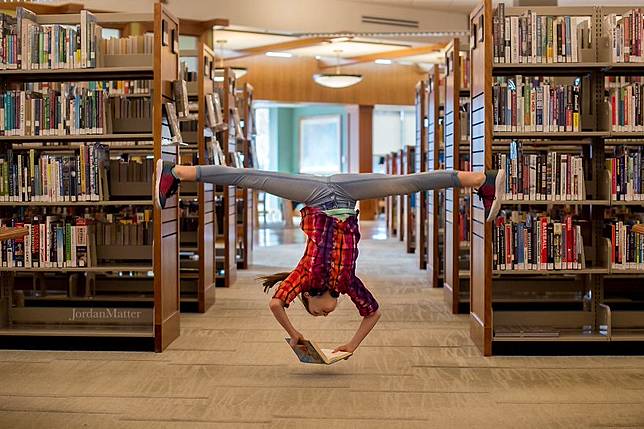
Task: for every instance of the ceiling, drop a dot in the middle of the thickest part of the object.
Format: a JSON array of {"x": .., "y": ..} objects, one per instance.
[
  {"x": 464, "y": 6},
  {"x": 240, "y": 42}
]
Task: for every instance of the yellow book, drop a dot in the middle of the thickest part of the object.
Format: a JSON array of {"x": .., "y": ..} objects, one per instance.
[{"x": 309, "y": 352}]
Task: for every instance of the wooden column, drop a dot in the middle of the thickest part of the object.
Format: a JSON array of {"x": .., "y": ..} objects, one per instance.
[{"x": 365, "y": 134}]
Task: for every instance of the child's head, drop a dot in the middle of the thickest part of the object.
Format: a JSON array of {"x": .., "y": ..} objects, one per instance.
[{"x": 318, "y": 302}]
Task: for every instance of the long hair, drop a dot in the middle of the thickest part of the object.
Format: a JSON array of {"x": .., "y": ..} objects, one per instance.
[{"x": 272, "y": 279}]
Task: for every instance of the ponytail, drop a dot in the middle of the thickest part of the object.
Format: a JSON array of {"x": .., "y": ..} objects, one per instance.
[{"x": 272, "y": 279}]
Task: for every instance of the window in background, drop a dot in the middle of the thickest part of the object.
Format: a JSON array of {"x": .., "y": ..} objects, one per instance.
[
  {"x": 108, "y": 33},
  {"x": 320, "y": 145},
  {"x": 269, "y": 205}
]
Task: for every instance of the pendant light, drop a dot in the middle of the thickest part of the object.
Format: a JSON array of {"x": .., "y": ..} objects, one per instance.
[
  {"x": 219, "y": 71},
  {"x": 337, "y": 79}
]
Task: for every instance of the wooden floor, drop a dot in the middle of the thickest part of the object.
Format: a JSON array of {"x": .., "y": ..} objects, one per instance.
[{"x": 232, "y": 368}]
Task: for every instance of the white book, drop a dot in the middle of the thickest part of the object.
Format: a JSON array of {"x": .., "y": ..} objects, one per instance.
[{"x": 514, "y": 40}]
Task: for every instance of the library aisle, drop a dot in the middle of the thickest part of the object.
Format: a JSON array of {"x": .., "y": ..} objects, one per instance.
[{"x": 231, "y": 368}]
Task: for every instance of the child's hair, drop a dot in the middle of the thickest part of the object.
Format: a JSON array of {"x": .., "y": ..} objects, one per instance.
[{"x": 272, "y": 279}]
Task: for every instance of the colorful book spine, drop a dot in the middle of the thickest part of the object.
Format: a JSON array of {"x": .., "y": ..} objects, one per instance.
[
  {"x": 626, "y": 169},
  {"x": 535, "y": 104},
  {"x": 536, "y": 39},
  {"x": 536, "y": 242}
]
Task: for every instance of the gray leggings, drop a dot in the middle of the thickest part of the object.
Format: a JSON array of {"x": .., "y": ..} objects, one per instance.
[{"x": 327, "y": 192}]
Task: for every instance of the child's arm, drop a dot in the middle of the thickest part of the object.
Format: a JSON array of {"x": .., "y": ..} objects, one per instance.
[
  {"x": 365, "y": 327},
  {"x": 277, "y": 307}
]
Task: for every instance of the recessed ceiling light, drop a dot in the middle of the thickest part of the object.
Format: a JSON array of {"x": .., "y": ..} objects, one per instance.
[
  {"x": 317, "y": 57},
  {"x": 279, "y": 54},
  {"x": 381, "y": 61}
]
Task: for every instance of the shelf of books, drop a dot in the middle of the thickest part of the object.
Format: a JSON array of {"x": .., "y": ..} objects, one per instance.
[
  {"x": 85, "y": 119},
  {"x": 434, "y": 154},
  {"x": 245, "y": 197},
  {"x": 409, "y": 200},
  {"x": 457, "y": 255},
  {"x": 201, "y": 109},
  {"x": 226, "y": 196},
  {"x": 421, "y": 165},
  {"x": 560, "y": 269},
  {"x": 391, "y": 202}
]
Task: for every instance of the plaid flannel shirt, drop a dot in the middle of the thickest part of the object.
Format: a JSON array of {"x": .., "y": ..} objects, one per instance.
[{"x": 329, "y": 261}]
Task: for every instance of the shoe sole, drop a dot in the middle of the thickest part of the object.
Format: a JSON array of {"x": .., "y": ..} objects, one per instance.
[
  {"x": 157, "y": 183},
  {"x": 499, "y": 186}
]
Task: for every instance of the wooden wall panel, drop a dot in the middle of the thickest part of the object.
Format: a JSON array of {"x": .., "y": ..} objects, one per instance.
[
  {"x": 481, "y": 132},
  {"x": 291, "y": 80}
]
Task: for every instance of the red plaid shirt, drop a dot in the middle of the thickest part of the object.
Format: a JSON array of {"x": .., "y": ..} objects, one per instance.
[{"x": 329, "y": 261}]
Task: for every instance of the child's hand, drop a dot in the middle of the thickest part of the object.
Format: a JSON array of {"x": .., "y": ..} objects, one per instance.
[
  {"x": 345, "y": 348},
  {"x": 296, "y": 339}
]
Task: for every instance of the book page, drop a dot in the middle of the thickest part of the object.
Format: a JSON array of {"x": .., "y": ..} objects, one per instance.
[{"x": 331, "y": 356}]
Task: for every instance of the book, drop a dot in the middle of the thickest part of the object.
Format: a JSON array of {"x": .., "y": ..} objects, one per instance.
[
  {"x": 625, "y": 97},
  {"x": 625, "y": 32},
  {"x": 131, "y": 45},
  {"x": 537, "y": 241},
  {"x": 173, "y": 122},
  {"x": 527, "y": 175},
  {"x": 180, "y": 90},
  {"x": 530, "y": 38},
  {"x": 536, "y": 103},
  {"x": 309, "y": 352},
  {"x": 36, "y": 175},
  {"x": 72, "y": 108},
  {"x": 625, "y": 171}
]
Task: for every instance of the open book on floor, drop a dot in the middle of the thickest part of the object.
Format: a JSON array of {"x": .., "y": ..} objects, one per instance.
[{"x": 309, "y": 352}]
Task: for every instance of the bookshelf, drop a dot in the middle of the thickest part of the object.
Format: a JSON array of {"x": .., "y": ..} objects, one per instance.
[
  {"x": 391, "y": 202},
  {"x": 400, "y": 199},
  {"x": 421, "y": 165},
  {"x": 409, "y": 200},
  {"x": 245, "y": 197},
  {"x": 118, "y": 296},
  {"x": 198, "y": 199},
  {"x": 434, "y": 141},
  {"x": 456, "y": 284},
  {"x": 592, "y": 307},
  {"x": 226, "y": 242}
]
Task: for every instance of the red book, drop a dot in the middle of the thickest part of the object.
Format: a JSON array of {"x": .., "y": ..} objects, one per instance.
[
  {"x": 544, "y": 243},
  {"x": 612, "y": 242}
]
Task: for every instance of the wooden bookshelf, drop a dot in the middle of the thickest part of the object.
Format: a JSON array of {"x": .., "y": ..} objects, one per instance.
[
  {"x": 409, "y": 203},
  {"x": 245, "y": 197},
  {"x": 421, "y": 166},
  {"x": 607, "y": 310},
  {"x": 391, "y": 202},
  {"x": 133, "y": 324},
  {"x": 456, "y": 287},
  {"x": 434, "y": 260},
  {"x": 400, "y": 199},
  {"x": 198, "y": 247},
  {"x": 226, "y": 243}
]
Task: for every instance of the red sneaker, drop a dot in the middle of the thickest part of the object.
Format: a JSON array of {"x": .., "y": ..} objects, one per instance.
[
  {"x": 491, "y": 192},
  {"x": 166, "y": 184}
]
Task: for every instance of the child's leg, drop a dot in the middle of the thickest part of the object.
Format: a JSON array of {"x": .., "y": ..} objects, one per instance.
[
  {"x": 303, "y": 188},
  {"x": 372, "y": 185}
]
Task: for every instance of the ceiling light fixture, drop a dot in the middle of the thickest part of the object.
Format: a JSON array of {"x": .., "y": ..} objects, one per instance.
[
  {"x": 279, "y": 54},
  {"x": 381, "y": 61},
  {"x": 337, "y": 79},
  {"x": 219, "y": 71}
]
